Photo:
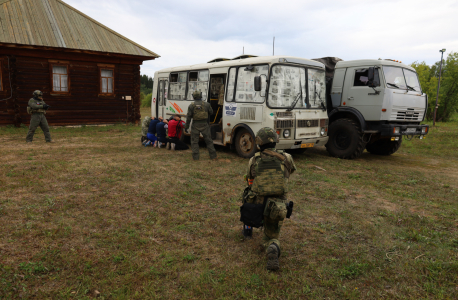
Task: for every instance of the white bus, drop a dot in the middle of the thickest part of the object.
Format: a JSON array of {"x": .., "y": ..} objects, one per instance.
[{"x": 281, "y": 92}]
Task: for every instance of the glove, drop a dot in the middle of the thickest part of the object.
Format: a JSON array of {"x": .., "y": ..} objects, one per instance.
[{"x": 46, "y": 106}]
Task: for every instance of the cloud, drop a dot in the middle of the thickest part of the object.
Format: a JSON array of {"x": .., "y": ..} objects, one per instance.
[{"x": 190, "y": 32}]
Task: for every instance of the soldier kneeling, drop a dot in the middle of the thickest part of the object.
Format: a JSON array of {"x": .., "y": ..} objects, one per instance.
[{"x": 265, "y": 202}]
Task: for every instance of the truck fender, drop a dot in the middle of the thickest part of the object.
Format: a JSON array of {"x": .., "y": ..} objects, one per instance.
[{"x": 347, "y": 112}]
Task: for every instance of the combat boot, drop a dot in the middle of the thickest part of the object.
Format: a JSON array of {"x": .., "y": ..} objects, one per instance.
[{"x": 273, "y": 253}]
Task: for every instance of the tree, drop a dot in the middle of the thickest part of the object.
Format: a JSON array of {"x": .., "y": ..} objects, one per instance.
[{"x": 448, "y": 93}]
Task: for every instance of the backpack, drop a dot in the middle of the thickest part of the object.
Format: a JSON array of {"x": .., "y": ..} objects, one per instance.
[
  {"x": 270, "y": 175},
  {"x": 200, "y": 112}
]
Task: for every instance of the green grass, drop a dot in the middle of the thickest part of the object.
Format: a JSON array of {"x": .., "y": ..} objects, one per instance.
[{"x": 96, "y": 211}]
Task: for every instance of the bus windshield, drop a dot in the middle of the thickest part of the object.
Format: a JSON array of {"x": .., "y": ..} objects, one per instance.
[{"x": 289, "y": 83}]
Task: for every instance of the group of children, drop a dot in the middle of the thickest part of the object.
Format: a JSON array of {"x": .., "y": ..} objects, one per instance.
[{"x": 160, "y": 133}]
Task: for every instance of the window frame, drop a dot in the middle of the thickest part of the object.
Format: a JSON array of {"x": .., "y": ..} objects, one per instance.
[
  {"x": 106, "y": 67},
  {"x": 379, "y": 70},
  {"x": 307, "y": 100},
  {"x": 51, "y": 68},
  {"x": 187, "y": 83},
  {"x": 235, "y": 83}
]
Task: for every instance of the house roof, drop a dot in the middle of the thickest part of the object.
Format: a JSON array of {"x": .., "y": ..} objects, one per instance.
[{"x": 53, "y": 23}]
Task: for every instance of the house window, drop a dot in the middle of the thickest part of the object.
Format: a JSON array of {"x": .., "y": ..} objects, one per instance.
[
  {"x": 107, "y": 81},
  {"x": 60, "y": 79}
]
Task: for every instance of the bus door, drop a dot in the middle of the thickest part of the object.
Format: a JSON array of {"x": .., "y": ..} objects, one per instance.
[{"x": 162, "y": 97}]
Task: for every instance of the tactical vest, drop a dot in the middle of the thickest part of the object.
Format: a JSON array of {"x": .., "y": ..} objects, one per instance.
[
  {"x": 270, "y": 176},
  {"x": 200, "y": 112},
  {"x": 31, "y": 110}
]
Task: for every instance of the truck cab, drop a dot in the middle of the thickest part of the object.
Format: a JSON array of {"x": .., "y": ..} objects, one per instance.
[{"x": 372, "y": 105}]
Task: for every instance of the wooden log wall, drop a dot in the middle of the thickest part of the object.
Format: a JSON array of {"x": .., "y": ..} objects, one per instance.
[
  {"x": 9, "y": 109},
  {"x": 83, "y": 105}
]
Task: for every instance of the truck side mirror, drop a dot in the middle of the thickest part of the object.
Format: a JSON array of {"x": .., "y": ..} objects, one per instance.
[
  {"x": 373, "y": 80},
  {"x": 257, "y": 83}
]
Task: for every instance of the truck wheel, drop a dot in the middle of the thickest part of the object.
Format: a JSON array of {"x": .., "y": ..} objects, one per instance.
[
  {"x": 384, "y": 146},
  {"x": 245, "y": 144},
  {"x": 345, "y": 139}
]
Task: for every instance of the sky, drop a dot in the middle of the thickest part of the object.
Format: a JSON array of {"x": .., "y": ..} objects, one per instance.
[{"x": 196, "y": 31}]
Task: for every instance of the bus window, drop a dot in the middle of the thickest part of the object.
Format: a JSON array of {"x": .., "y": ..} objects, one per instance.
[
  {"x": 198, "y": 81},
  {"x": 245, "y": 84},
  {"x": 317, "y": 87},
  {"x": 286, "y": 84},
  {"x": 177, "y": 86},
  {"x": 231, "y": 85}
]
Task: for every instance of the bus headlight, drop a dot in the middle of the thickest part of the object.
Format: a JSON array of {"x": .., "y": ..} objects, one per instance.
[
  {"x": 323, "y": 131},
  {"x": 286, "y": 133}
]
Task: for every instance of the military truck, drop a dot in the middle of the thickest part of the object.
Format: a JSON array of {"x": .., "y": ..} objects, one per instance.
[{"x": 372, "y": 104}]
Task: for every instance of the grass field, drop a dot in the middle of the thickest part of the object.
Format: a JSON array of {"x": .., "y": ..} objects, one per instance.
[{"x": 97, "y": 214}]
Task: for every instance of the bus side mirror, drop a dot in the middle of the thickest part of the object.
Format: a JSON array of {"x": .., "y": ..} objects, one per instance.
[{"x": 257, "y": 83}]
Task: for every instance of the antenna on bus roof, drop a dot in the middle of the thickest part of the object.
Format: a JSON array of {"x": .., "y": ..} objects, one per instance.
[{"x": 273, "y": 47}]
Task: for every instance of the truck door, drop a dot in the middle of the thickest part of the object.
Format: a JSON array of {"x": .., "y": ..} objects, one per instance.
[
  {"x": 358, "y": 94},
  {"x": 162, "y": 96}
]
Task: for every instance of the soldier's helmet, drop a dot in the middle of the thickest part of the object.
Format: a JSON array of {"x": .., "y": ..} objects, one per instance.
[
  {"x": 266, "y": 135},
  {"x": 37, "y": 94},
  {"x": 197, "y": 95}
]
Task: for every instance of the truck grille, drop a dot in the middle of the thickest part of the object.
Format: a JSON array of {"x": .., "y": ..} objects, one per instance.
[
  {"x": 307, "y": 123},
  {"x": 406, "y": 114},
  {"x": 279, "y": 124},
  {"x": 410, "y": 114}
]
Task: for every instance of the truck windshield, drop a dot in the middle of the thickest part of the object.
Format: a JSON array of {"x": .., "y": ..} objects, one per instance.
[
  {"x": 286, "y": 84},
  {"x": 401, "y": 78},
  {"x": 412, "y": 80},
  {"x": 394, "y": 77}
]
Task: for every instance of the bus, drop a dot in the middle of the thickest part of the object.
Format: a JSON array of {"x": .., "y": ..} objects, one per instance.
[{"x": 248, "y": 93}]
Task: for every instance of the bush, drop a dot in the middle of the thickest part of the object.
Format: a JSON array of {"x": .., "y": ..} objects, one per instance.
[{"x": 146, "y": 100}]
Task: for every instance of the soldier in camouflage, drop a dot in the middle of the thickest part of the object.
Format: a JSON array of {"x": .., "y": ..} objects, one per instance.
[
  {"x": 200, "y": 112},
  {"x": 145, "y": 124},
  {"x": 37, "y": 108},
  {"x": 268, "y": 174}
]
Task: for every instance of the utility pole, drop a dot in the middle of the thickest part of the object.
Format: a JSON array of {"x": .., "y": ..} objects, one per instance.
[
  {"x": 273, "y": 47},
  {"x": 438, "y": 86}
]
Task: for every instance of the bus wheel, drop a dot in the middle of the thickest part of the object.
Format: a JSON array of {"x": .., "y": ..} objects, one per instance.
[
  {"x": 384, "y": 146},
  {"x": 245, "y": 144},
  {"x": 345, "y": 139}
]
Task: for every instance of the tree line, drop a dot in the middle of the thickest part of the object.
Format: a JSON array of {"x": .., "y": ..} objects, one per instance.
[{"x": 448, "y": 93}]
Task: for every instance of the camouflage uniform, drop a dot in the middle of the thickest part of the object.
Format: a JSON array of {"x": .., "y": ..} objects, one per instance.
[
  {"x": 271, "y": 225},
  {"x": 145, "y": 125},
  {"x": 200, "y": 126},
  {"x": 37, "y": 108}
]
